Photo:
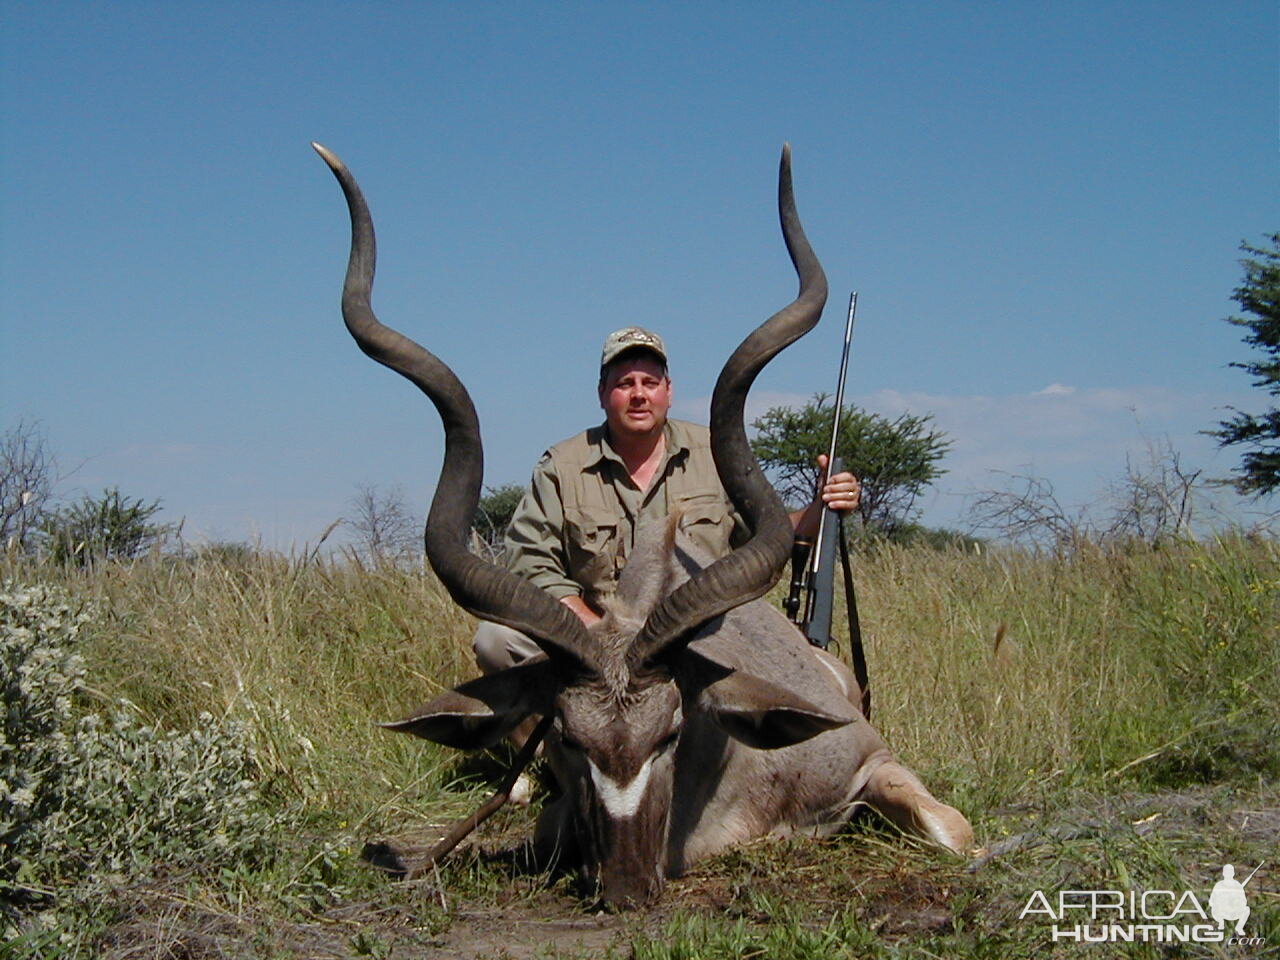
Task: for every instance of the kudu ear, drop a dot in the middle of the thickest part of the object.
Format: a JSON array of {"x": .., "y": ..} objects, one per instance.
[
  {"x": 481, "y": 712},
  {"x": 766, "y": 716}
]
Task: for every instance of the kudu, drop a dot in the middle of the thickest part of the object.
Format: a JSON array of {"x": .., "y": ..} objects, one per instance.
[{"x": 693, "y": 716}]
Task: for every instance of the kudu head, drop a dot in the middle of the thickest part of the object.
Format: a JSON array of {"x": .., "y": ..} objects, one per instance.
[{"x": 618, "y": 692}]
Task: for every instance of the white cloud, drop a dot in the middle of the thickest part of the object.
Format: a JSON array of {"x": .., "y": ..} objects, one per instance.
[{"x": 1055, "y": 389}]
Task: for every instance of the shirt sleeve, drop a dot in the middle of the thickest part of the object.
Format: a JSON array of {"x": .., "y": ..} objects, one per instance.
[{"x": 535, "y": 547}]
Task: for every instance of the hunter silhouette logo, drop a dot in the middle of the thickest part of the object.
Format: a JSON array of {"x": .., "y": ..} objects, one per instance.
[
  {"x": 1228, "y": 902},
  {"x": 1148, "y": 916}
]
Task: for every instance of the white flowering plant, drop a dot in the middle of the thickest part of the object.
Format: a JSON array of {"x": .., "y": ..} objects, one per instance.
[
  {"x": 40, "y": 673},
  {"x": 90, "y": 801}
]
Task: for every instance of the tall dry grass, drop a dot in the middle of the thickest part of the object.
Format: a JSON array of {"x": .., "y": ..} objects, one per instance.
[
  {"x": 311, "y": 653},
  {"x": 1113, "y": 668},
  {"x": 1010, "y": 674}
]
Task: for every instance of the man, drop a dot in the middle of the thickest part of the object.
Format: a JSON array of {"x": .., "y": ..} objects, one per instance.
[{"x": 572, "y": 533}]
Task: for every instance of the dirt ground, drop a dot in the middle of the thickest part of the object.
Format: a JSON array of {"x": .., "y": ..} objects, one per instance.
[
  {"x": 175, "y": 930},
  {"x": 900, "y": 890}
]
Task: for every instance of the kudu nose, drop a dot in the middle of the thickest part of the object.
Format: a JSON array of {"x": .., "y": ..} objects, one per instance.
[{"x": 622, "y": 891}]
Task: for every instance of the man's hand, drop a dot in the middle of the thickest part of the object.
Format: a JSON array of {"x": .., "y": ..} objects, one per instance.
[
  {"x": 584, "y": 612},
  {"x": 841, "y": 493}
]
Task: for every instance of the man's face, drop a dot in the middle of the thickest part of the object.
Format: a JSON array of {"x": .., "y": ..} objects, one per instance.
[{"x": 635, "y": 396}]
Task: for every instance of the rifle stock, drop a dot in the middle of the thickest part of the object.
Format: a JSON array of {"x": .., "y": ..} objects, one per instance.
[
  {"x": 820, "y": 605},
  {"x": 813, "y": 564}
]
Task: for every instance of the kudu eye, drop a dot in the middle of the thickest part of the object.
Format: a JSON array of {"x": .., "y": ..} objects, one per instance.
[{"x": 568, "y": 741}]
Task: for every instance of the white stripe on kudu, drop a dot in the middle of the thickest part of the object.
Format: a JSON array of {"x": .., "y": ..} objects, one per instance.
[{"x": 621, "y": 801}]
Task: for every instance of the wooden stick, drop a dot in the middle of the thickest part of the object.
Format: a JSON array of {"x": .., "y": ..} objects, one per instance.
[{"x": 467, "y": 824}]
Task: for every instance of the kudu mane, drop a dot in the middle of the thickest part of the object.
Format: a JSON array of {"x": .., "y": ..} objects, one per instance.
[{"x": 648, "y": 576}]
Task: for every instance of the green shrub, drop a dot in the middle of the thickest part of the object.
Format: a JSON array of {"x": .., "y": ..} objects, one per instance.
[
  {"x": 39, "y": 675},
  {"x": 144, "y": 796},
  {"x": 107, "y": 527},
  {"x": 86, "y": 804},
  {"x": 494, "y": 513}
]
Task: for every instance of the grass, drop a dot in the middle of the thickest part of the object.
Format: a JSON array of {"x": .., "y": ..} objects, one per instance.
[
  {"x": 1118, "y": 708},
  {"x": 1111, "y": 667}
]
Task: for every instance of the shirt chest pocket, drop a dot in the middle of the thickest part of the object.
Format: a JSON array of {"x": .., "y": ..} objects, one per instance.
[
  {"x": 593, "y": 545},
  {"x": 705, "y": 519}
]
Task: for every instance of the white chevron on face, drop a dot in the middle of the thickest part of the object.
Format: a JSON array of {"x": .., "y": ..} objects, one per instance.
[{"x": 621, "y": 800}]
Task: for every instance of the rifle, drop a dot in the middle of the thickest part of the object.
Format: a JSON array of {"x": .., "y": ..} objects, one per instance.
[{"x": 813, "y": 570}]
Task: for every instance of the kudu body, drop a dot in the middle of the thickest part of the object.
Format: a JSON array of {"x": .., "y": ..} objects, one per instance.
[{"x": 693, "y": 716}]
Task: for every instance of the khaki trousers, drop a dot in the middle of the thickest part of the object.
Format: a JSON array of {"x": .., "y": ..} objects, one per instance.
[{"x": 498, "y": 647}]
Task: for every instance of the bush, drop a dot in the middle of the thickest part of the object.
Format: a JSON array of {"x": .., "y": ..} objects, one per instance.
[
  {"x": 39, "y": 676},
  {"x": 108, "y": 527},
  {"x": 87, "y": 803},
  {"x": 894, "y": 459},
  {"x": 494, "y": 513}
]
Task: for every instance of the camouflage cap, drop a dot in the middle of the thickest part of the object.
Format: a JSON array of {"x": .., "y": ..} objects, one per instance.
[{"x": 629, "y": 338}]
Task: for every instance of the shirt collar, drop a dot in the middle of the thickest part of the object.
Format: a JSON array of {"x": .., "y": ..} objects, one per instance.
[{"x": 604, "y": 450}]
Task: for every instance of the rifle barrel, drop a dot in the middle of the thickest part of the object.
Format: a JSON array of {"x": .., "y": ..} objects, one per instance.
[
  {"x": 825, "y": 520},
  {"x": 844, "y": 373}
]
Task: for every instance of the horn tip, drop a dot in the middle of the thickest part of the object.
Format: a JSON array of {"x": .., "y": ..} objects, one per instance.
[{"x": 327, "y": 155}]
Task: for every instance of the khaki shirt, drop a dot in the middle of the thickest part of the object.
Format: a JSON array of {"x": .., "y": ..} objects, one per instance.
[{"x": 575, "y": 528}]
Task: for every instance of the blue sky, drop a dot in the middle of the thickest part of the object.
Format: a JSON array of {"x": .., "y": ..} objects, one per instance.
[{"x": 1040, "y": 206}]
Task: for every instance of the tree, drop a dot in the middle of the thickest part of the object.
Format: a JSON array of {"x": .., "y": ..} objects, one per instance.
[
  {"x": 27, "y": 475},
  {"x": 108, "y": 527},
  {"x": 494, "y": 513},
  {"x": 1259, "y": 296},
  {"x": 894, "y": 458},
  {"x": 1027, "y": 511},
  {"x": 1156, "y": 500},
  {"x": 385, "y": 527}
]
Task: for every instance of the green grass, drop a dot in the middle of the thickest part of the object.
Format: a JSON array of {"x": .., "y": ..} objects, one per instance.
[{"x": 1127, "y": 686}]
